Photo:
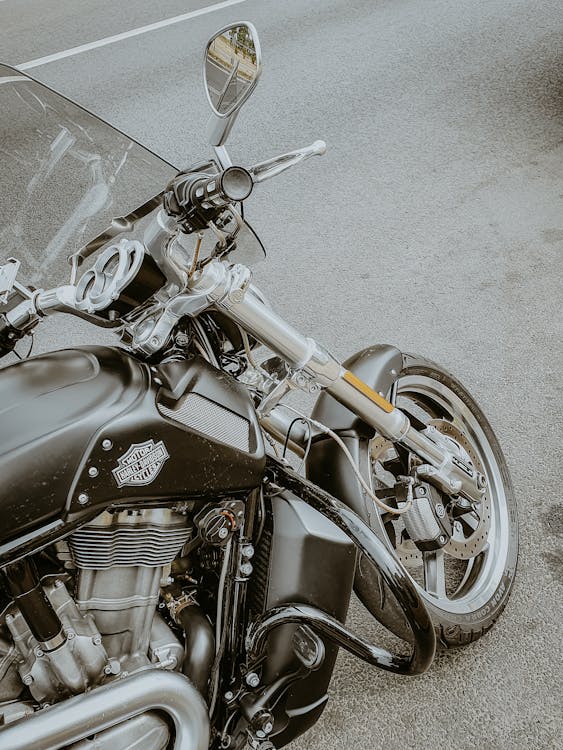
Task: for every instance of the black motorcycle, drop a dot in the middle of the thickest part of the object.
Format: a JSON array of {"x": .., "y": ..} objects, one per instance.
[{"x": 179, "y": 544}]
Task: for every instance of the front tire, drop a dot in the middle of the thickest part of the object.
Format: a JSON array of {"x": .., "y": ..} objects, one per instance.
[{"x": 466, "y": 596}]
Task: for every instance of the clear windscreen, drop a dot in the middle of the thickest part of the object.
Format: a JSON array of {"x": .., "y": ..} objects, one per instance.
[{"x": 65, "y": 176}]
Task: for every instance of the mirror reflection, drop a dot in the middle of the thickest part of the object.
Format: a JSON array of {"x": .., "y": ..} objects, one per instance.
[{"x": 231, "y": 68}]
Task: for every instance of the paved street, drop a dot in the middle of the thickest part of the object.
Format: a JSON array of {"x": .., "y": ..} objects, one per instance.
[{"x": 434, "y": 222}]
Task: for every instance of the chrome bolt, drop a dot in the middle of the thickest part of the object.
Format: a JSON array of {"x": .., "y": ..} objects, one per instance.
[
  {"x": 83, "y": 498},
  {"x": 252, "y": 680},
  {"x": 440, "y": 510},
  {"x": 9, "y": 619},
  {"x": 107, "y": 445},
  {"x": 442, "y": 539},
  {"x": 38, "y": 652},
  {"x": 268, "y": 727},
  {"x": 113, "y": 667},
  {"x": 27, "y": 679},
  {"x": 58, "y": 583},
  {"x": 223, "y": 533},
  {"x": 155, "y": 341},
  {"x": 229, "y": 695},
  {"x": 70, "y": 634},
  {"x": 97, "y": 640},
  {"x": 247, "y": 551},
  {"x": 246, "y": 569},
  {"x": 93, "y": 472}
]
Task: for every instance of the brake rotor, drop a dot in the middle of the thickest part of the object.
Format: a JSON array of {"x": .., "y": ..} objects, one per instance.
[{"x": 461, "y": 546}]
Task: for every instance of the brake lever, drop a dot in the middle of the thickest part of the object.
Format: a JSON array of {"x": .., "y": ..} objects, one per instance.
[{"x": 264, "y": 170}]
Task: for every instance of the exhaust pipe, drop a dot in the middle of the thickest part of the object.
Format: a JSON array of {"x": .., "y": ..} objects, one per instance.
[{"x": 104, "y": 707}]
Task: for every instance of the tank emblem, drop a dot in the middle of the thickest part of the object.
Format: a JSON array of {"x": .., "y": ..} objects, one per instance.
[{"x": 141, "y": 464}]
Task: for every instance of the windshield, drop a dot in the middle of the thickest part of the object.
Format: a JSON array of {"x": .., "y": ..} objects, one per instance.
[{"x": 65, "y": 176}]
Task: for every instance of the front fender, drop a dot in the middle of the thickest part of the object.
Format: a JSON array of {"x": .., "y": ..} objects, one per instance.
[{"x": 327, "y": 466}]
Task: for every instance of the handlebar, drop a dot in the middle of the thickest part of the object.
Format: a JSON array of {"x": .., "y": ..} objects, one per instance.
[
  {"x": 272, "y": 167},
  {"x": 196, "y": 198}
]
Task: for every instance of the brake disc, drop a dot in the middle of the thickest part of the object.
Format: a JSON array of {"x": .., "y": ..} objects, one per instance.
[{"x": 461, "y": 546}]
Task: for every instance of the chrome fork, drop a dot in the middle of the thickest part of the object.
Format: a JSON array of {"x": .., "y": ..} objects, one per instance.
[{"x": 313, "y": 367}]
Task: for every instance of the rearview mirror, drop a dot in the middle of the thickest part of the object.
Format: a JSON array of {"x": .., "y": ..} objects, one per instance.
[{"x": 231, "y": 70}]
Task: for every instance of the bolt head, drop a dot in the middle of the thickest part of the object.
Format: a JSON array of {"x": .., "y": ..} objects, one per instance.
[
  {"x": 83, "y": 498},
  {"x": 268, "y": 727},
  {"x": 442, "y": 539},
  {"x": 70, "y": 634},
  {"x": 27, "y": 679},
  {"x": 97, "y": 640},
  {"x": 107, "y": 445},
  {"x": 223, "y": 533},
  {"x": 246, "y": 569},
  {"x": 229, "y": 695},
  {"x": 9, "y": 619},
  {"x": 252, "y": 680},
  {"x": 38, "y": 652},
  {"x": 93, "y": 472},
  {"x": 58, "y": 583},
  {"x": 440, "y": 510}
]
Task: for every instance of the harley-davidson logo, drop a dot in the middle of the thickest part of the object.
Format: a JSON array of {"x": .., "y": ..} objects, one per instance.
[{"x": 141, "y": 464}]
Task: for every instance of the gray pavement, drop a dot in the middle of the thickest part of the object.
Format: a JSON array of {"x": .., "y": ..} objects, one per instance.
[{"x": 434, "y": 222}]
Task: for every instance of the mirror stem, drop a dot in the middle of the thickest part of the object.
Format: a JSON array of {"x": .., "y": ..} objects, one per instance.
[{"x": 223, "y": 156}]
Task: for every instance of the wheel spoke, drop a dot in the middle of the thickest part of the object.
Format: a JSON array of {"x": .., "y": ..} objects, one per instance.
[{"x": 435, "y": 573}]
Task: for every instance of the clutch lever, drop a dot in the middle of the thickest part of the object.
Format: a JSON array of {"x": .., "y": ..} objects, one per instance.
[{"x": 264, "y": 170}]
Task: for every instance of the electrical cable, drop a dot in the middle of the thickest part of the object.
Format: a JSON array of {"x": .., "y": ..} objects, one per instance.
[{"x": 323, "y": 428}]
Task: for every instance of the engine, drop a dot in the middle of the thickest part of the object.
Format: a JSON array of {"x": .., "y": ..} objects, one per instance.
[
  {"x": 107, "y": 602},
  {"x": 122, "y": 561}
]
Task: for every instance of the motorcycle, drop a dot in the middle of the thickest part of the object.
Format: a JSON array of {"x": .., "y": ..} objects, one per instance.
[{"x": 180, "y": 544}]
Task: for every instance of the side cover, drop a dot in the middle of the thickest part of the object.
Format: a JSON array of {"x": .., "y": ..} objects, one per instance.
[
  {"x": 302, "y": 558},
  {"x": 83, "y": 429}
]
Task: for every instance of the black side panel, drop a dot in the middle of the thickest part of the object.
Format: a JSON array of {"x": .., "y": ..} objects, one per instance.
[
  {"x": 70, "y": 420},
  {"x": 312, "y": 562},
  {"x": 50, "y": 407}
]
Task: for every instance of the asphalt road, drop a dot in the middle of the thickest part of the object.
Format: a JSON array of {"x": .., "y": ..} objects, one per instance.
[{"x": 434, "y": 222}]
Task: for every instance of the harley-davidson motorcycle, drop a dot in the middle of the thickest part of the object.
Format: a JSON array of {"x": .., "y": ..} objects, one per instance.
[{"x": 179, "y": 544}]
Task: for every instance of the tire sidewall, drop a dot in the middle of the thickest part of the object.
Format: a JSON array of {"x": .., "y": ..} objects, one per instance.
[{"x": 458, "y": 629}]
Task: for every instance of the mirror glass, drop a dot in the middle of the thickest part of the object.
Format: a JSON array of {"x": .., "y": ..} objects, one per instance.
[{"x": 232, "y": 68}]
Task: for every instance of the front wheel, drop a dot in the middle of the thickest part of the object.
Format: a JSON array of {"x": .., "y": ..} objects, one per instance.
[{"x": 466, "y": 583}]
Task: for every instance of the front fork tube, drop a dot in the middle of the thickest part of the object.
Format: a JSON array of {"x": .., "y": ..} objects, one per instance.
[{"x": 313, "y": 366}]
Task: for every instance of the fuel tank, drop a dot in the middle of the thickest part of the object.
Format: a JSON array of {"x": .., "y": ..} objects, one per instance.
[{"x": 83, "y": 429}]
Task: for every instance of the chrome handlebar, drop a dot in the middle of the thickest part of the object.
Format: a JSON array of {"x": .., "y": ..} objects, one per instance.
[{"x": 264, "y": 170}]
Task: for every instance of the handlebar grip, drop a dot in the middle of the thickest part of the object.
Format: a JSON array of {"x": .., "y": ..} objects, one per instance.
[
  {"x": 9, "y": 336},
  {"x": 231, "y": 186}
]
